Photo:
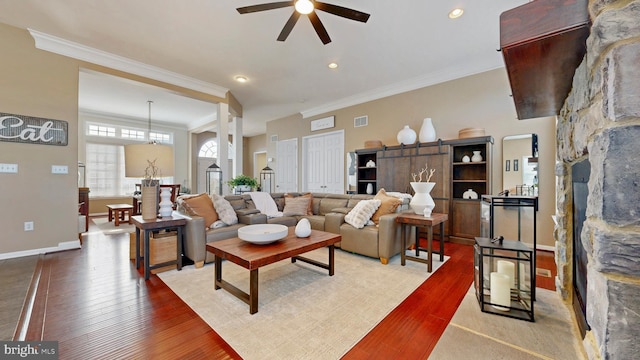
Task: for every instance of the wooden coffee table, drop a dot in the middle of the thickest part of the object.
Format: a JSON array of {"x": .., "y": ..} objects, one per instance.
[{"x": 252, "y": 257}]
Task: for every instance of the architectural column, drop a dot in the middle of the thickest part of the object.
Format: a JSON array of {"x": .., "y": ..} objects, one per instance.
[
  {"x": 222, "y": 131},
  {"x": 236, "y": 131}
]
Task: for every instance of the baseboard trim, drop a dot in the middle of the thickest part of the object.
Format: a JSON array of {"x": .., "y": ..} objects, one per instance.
[{"x": 67, "y": 245}]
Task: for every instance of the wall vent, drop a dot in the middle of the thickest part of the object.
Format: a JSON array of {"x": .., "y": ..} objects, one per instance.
[
  {"x": 274, "y": 138},
  {"x": 361, "y": 121}
]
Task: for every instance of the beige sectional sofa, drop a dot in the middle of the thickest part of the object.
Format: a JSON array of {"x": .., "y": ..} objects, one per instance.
[{"x": 380, "y": 241}]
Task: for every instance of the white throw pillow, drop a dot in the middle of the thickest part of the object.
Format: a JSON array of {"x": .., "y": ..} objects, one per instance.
[
  {"x": 361, "y": 213},
  {"x": 224, "y": 209}
]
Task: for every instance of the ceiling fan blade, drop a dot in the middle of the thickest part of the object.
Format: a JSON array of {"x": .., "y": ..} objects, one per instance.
[
  {"x": 286, "y": 30},
  {"x": 342, "y": 11},
  {"x": 320, "y": 29},
  {"x": 263, "y": 7}
]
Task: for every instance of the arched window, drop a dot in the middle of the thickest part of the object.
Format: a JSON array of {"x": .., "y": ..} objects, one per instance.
[{"x": 210, "y": 150}]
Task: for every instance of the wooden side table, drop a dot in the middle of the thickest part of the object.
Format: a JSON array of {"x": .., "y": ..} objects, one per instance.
[
  {"x": 147, "y": 226},
  {"x": 117, "y": 212},
  {"x": 411, "y": 219}
]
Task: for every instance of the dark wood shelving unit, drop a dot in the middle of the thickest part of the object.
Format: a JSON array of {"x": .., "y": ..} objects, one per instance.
[{"x": 395, "y": 164}]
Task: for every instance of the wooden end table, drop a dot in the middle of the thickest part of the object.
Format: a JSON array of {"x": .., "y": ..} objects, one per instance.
[
  {"x": 252, "y": 257},
  {"x": 147, "y": 226},
  {"x": 419, "y": 221},
  {"x": 118, "y": 211}
]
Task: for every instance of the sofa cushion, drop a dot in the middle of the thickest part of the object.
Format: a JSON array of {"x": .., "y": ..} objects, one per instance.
[
  {"x": 200, "y": 205},
  {"x": 307, "y": 195},
  {"x": 388, "y": 205},
  {"x": 297, "y": 206},
  {"x": 224, "y": 209},
  {"x": 327, "y": 204},
  {"x": 361, "y": 213}
]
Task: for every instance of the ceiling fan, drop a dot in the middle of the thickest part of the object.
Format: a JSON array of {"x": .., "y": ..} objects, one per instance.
[{"x": 307, "y": 7}]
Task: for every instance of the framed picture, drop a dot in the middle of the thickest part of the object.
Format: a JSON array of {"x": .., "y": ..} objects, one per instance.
[
  {"x": 515, "y": 164},
  {"x": 507, "y": 165}
]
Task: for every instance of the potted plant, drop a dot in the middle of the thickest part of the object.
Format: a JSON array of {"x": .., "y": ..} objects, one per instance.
[{"x": 243, "y": 183}]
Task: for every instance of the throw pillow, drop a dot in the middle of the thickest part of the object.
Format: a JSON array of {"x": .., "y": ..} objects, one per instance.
[
  {"x": 297, "y": 206},
  {"x": 201, "y": 205},
  {"x": 361, "y": 213},
  {"x": 307, "y": 195},
  {"x": 388, "y": 205},
  {"x": 224, "y": 209}
]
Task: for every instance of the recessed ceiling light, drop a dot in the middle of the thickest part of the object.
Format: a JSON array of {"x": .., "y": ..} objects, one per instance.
[
  {"x": 455, "y": 13},
  {"x": 333, "y": 65},
  {"x": 241, "y": 79}
]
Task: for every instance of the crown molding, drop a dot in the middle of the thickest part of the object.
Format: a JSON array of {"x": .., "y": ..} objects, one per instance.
[
  {"x": 74, "y": 50},
  {"x": 448, "y": 74}
]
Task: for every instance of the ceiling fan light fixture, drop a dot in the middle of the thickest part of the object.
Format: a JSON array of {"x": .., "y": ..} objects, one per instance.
[
  {"x": 304, "y": 6},
  {"x": 456, "y": 13}
]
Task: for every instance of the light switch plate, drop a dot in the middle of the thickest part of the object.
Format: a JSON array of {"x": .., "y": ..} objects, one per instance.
[
  {"x": 9, "y": 168},
  {"x": 59, "y": 169}
]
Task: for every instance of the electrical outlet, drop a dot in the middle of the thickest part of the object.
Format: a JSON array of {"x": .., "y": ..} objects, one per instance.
[
  {"x": 59, "y": 169},
  {"x": 28, "y": 226},
  {"x": 9, "y": 168}
]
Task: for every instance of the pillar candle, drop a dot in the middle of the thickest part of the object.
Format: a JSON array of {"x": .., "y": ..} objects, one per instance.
[
  {"x": 523, "y": 274},
  {"x": 500, "y": 292},
  {"x": 507, "y": 268}
]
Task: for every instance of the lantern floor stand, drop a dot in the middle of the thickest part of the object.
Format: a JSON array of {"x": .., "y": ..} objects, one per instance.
[{"x": 502, "y": 278}]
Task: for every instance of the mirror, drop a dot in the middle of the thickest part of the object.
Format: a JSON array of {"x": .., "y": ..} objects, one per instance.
[{"x": 520, "y": 164}]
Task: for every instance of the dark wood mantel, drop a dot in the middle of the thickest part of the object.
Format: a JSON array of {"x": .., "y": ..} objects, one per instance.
[{"x": 543, "y": 42}]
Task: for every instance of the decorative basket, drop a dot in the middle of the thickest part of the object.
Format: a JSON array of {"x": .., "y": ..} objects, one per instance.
[
  {"x": 470, "y": 132},
  {"x": 372, "y": 144}
]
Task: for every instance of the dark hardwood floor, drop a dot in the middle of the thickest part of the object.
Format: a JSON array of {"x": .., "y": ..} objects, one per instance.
[{"x": 97, "y": 305}]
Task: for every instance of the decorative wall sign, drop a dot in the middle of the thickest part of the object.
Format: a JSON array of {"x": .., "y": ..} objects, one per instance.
[
  {"x": 324, "y": 123},
  {"x": 33, "y": 130}
]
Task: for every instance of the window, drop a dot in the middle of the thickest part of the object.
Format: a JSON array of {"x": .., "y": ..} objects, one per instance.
[
  {"x": 210, "y": 150},
  {"x": 132, "y": 134},
  {"x": 99, "y": 130},
  {"x": 160, "y": 137},
  {"x": 104, "y": 161}
]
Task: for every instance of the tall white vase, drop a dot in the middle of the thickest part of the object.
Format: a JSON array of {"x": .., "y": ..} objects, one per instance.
[
  {"x": 427, "y": 131},
  {"x": 369, "y": 188},
  {"x": 406, "y": 136},
  {"x": 422, "y": 203}
]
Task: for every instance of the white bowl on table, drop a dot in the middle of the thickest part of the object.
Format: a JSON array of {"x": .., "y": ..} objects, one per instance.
[{"x": 263, "y": 233}]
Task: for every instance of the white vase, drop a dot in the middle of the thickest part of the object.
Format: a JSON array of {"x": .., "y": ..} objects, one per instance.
[
  {"x": 166, "y": 206},
  {"x": 422, "y": 203},
  {"x": 476, "y": 156},
  {"x": 427, "y": 131},
  {"x": 466, "y": 158},
  {"x": 369, "y": 188},
  {"x": 406, "y": 136},
  {"x": 303, "y": 228}
]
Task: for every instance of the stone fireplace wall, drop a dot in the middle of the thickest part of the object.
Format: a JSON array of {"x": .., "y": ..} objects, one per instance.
[{"x": 600, "y": 121}]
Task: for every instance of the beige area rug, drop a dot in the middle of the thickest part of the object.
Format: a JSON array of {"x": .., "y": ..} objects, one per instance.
[
  {"x": 108, "y": 227},
  {"x": 488, "y": 336},
  {"x": 303, "y": 312}
]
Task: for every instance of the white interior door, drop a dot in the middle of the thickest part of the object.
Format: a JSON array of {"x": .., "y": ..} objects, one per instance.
[
  {"x": 324, "y": 163},
  {"x": 315, "y": 164},
  {"x": 287, "y": 166}
]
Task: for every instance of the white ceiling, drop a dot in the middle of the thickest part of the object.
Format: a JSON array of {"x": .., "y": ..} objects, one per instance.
[{"x": 404, "y": 45}]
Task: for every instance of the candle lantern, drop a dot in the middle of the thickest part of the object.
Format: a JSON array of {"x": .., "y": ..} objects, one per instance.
[
  {"x": 214, "y": 179},
  {"x": 267, "y": 179},
  {"x": 502, "y": 279}
]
